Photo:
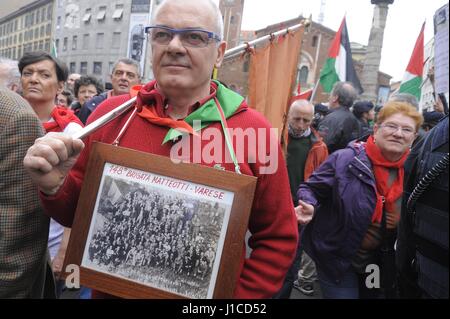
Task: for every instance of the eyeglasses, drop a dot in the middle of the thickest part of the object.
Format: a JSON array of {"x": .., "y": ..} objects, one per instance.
[
  {"x": 392, "y": 128},
  {"x": 195, "y": 38}
]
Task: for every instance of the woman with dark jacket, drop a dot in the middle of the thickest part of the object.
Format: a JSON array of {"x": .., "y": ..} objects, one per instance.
[
  {"x": 352, "y": 203},
  {"x": 85, "y": 89},
  {"x": 364, "y": 112}
]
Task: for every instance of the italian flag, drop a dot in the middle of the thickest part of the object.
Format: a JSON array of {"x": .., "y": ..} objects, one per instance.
[
  {"x": 53, "y": 51},
  {"x": 412, "y": 80},
  {"x": 339, "y": 65}
]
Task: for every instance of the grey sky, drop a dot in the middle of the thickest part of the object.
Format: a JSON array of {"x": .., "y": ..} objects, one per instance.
[{"x": 405, "y": 19}]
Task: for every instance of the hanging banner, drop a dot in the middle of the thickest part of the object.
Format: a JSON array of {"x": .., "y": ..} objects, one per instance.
[
  {"x": 271, "y": 79},
  {"x": 441, "y": 49},
  {"x": 139, "y": 19}
]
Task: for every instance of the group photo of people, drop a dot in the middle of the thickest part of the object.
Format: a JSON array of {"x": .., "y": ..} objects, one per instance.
[
  {"x": 356, "y": 206},
  {"x": 167, "y": 241}
]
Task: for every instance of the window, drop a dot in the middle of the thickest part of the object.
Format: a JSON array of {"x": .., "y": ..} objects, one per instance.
[
  {"x": 65, "y": 44},
  {"x": 85, "y": 41},
  {"x": 20, "y": 37},
  {"x": 303, "y": 75},
  {"x": 32, "y": 18},
  {"x": 110, "y": 67},
  {"x": 74, "y": 42},
  {"x": 117, "y": 15},
  {"x": 38, "y": 16},
  {"x": 100, "y": 40},
  {"x": 57, "y": 45},
  {"x": 36, "y": 33},
  {"x": 43, "y": 14},
  {"x": 35, "y": 45},
  {"x": 97, "y": 68},
  {"x": 72, "y": 67},
  {"x": 41, "y": 32},
  {"x": 58, "y": 22},
  {"x": 87, "y": 16},
  {"x": 314, "y": 41},
  {"x": 83, "y": 68},
  {"x": 116, "y": 40},
  {"x": 101, "y": 13},
  {"x": 48, "y": 29},
  {"x": 49, "y": 12},
  {"x": 41, "y": 45},
  {"x": 232, "y": 20}
]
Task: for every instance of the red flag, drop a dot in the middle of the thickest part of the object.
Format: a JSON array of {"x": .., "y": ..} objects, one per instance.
[{"x": 302, "y": 96}]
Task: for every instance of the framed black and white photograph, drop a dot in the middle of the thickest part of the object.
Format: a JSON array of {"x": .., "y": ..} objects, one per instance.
[{"x": 148, "y": 228}]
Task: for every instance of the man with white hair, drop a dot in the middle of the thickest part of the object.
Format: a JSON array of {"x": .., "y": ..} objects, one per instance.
[
  {"x": 186, "y": 39},
  {"x": 305, "y": 152},
  {"x": 10, "y": 75}
]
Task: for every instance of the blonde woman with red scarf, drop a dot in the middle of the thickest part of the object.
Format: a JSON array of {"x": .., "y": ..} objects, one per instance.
[
  {"x": 352, "y": 207},
  {"x": 43, "y": 78}
]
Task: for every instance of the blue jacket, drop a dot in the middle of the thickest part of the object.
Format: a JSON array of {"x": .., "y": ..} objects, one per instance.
[
  {"x": 343, "y": 193},
  {"x": 90, "y": 106}
]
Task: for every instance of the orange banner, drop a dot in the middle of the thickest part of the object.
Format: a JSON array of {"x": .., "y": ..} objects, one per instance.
[{"x": 272, "y": 74}]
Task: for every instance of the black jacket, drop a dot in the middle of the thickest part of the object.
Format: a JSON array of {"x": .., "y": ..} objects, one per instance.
[
  {"x": 90, "y": 106},
  {"x": 339, "y": 128},
  {"x": 423, "y": 238}
]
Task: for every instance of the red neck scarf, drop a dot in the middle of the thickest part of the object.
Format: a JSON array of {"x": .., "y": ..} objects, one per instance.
[
  {"x": 381, "y": 168},
  {"x": 150, "y": 104},
  {"x": 62, "y": 117}
]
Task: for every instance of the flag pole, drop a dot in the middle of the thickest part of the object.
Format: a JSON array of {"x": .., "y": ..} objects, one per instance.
[
  {"x": 236, "y": 51},
  {"x": 313, "y": 95}
]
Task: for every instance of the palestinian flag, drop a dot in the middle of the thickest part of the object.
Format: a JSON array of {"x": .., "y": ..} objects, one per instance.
[
  {"x": 412, "y": 80},
  {"x": 339, "y": 65}
]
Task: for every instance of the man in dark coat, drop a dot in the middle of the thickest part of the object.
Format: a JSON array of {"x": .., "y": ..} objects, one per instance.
[
  {"x": 341, "y": 126},
  {"x": 422, "y": 244}
]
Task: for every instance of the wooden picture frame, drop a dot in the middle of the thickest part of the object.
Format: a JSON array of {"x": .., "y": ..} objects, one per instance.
[{"x": 146, "y": 227}]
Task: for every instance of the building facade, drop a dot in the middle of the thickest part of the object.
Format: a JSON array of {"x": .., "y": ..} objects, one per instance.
[
  {"x": 27, "y": 29},
  {"x": 91, "y": 36},
  {"x": 427, "y": 99}
]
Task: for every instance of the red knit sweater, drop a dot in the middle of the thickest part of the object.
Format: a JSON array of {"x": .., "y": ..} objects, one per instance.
[{"x": 272, "y": 221}]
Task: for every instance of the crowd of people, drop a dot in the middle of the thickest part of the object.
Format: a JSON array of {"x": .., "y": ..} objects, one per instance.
[{"x": 355, "y": 185}]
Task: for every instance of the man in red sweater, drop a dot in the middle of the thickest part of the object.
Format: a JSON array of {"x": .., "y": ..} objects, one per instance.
[{"x": 186, "y": 45}]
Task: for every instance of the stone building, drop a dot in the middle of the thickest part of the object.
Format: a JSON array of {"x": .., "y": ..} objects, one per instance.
[
  {"x": 28, "y": 28},
  {"x": 91, "y": 36}
]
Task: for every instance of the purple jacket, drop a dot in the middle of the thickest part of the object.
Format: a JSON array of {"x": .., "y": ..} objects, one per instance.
[{"x": 343, "y": 193}]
